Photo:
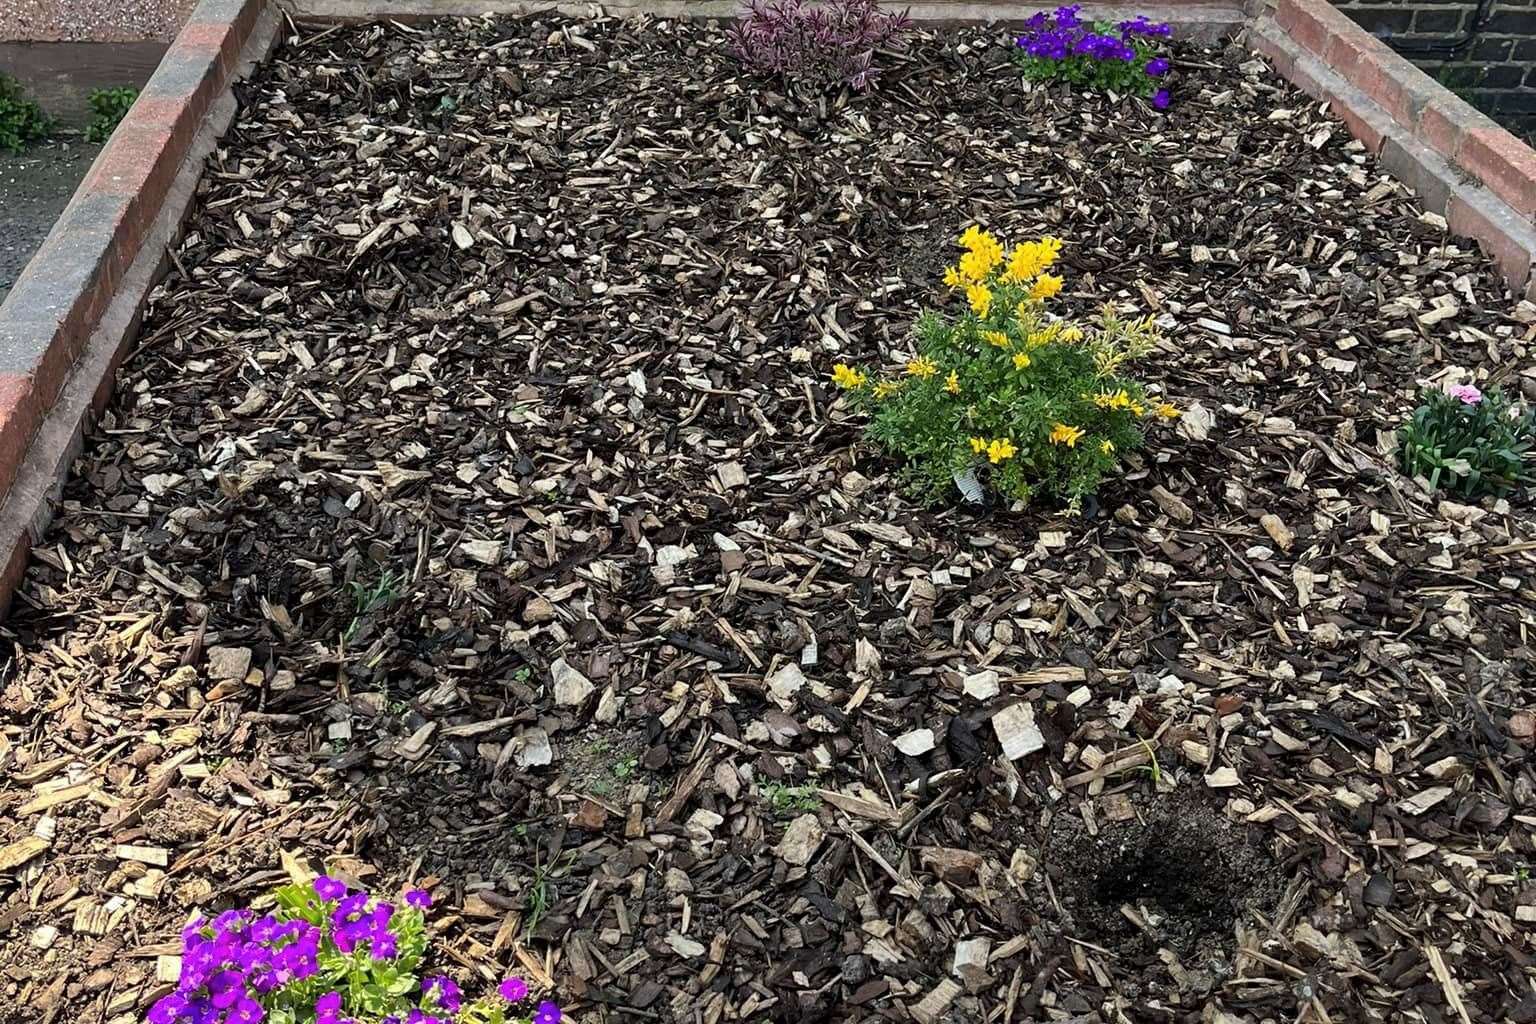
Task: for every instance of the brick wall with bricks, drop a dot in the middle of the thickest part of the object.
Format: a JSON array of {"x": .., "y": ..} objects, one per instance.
[{"x": 1482, "y": 50}]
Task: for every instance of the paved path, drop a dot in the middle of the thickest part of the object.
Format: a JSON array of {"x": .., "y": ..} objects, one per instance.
[{"x": 34, "y": 189}]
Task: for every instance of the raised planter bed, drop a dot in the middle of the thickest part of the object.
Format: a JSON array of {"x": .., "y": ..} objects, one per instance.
[{"x": 474, "y": 512}]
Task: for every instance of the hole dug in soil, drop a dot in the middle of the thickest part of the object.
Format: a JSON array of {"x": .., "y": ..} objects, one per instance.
[{"x": 1186, "y": 872}]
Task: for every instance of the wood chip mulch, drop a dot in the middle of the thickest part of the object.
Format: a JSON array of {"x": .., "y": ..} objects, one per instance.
[{"x": 475, "y": 512}]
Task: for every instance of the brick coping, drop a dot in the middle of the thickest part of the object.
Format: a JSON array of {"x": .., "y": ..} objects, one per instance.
[
  {"x": 74, "y": 310},
  {"x": 1463, "y": 166}
]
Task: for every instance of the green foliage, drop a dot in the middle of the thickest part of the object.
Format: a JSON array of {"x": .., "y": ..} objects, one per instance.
[
  {"x": 1469, "y": 443},
  {"x": 22, "y": 121},
  {"x": 367, "y": 599},
  {"x": 1007, "y": 394},
  {"x": 108, "y": 106},
  {"x": 786, "y": 800}
]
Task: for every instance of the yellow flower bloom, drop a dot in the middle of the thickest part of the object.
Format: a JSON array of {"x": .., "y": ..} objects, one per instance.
[
  {"x": 975, "y": 266},
  {"x": 1112, "y": 400},
  {"x": 997, "y": 338},
  {"x": 952, "y": 277},
  {"x": 984, "y": 245},
  {"x": 1167, "y": 410},
  {"x": 1138, "y": 409},
  {"x": 1072, "y": 335},
  {"x": 1023, "y": 263},
  {"x": 952, "y": 383},
  {"x": 1045, "y": 286},
  {"x": 978, "y": 445},
  {"x": 845, "y": 376},
  {"x": 922, "y": 366},
  {"x": 983, "y": 254},
  {"x": 980, "y": 298},
  {"x": 1001, "y": 448},
  {"x": 1020, "y": 360},
  {"x": 1107, "y": 446},
  {"x": 1037, "y": 339},
  {"x": 886, "y": 388},
  {"x": 1063, "y": 434}
]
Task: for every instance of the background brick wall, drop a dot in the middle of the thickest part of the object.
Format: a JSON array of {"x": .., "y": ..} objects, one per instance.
[{"x": 1482, "y": 50}]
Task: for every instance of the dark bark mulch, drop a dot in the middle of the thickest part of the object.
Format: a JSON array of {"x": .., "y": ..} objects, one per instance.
[{"x": 475, "y": 511}]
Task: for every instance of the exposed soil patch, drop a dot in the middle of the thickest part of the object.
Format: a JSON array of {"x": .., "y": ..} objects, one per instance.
[
  {"x": 35, "y": 186},
  {"x": 1185, "y": 871},
  {"x": 536, "y": 316}
]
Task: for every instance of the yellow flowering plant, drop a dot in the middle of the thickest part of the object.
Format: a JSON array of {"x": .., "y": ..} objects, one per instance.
[{"x": 1028, "y": 402}]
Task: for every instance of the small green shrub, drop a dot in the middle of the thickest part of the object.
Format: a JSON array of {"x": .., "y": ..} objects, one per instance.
[
  {"x": 1468, "y": 442},
  {"x": 109, "y": 106},
  {"x": 1035, "y": 404},
  {"x": 21, "y": 119},
  {"x": 787, "y": 800}
]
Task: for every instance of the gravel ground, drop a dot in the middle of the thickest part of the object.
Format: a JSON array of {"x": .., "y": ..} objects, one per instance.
[
  {"x": 34, "y": 188},
  {"x": 101, "y": 21}
]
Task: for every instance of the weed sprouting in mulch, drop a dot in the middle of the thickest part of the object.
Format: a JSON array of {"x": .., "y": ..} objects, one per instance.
[{"x": 534, "y": 320}]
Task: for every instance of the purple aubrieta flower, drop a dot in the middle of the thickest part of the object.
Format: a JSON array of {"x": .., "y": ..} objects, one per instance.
[
  {"x": 513, "y": 990},
  {"x": 226, "y": 988},
  {"x": 1161, "y": 99},
  {"x": 328, "y": 1008},
  {"x": 168, "y": 1009},
  {"x": 547, "y": 1013},
  {"x": 246, "y": 1011},
  {"x": 1157, "y": 67},
  {"x": 443, "y": 991},
  {"x": 419, "y": 899},
  {"x": 329, "y": 889}
]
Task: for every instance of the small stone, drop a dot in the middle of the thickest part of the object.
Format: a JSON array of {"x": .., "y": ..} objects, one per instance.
[
  {"x": 538, "y": 610},
  {"x": 533, "y": 749},
  {"x": 951, "y": 864},
  {"x": 1017, "y": 732},
  {"x": 915, "y": 743},
  {"x": 486, "y": 552},
  {"x": 684, "y": 946},
  {"x": 982, "y": 685},
  {"x": 785, "y": 683},
  {"x": 228, "y": 663},
  {"x": 571, "y": 687},
  {"x": 590, "y": 816},
  {"x": 801, "y": 840}
]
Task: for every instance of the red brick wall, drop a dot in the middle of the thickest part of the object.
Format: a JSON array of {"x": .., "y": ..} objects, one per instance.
[{"x": 1484, "y": 51}]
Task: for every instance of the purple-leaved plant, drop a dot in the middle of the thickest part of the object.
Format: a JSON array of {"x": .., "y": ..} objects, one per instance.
[{"x": 827, "y": 44}]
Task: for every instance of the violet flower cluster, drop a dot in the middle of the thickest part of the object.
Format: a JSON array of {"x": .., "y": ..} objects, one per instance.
[
  {"x": 824, "y": 45},
  {"x": 295, "y": 963},
  {"x": 1061, "y": 46}
]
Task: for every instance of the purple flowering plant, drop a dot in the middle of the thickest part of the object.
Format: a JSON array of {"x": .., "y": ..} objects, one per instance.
[
  {"x": 1123, "y": 57},
  {"x": 326, "y": 955},
  {"x": 824, "y": 45}
]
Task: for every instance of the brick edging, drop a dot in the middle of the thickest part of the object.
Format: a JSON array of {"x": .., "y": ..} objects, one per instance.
[
  {"x": 1462, "y": 164},
  {"x": 91, "y": 269}
]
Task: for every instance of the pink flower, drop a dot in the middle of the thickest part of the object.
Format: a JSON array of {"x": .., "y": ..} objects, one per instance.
[{"x": 1467, "y": 393}]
